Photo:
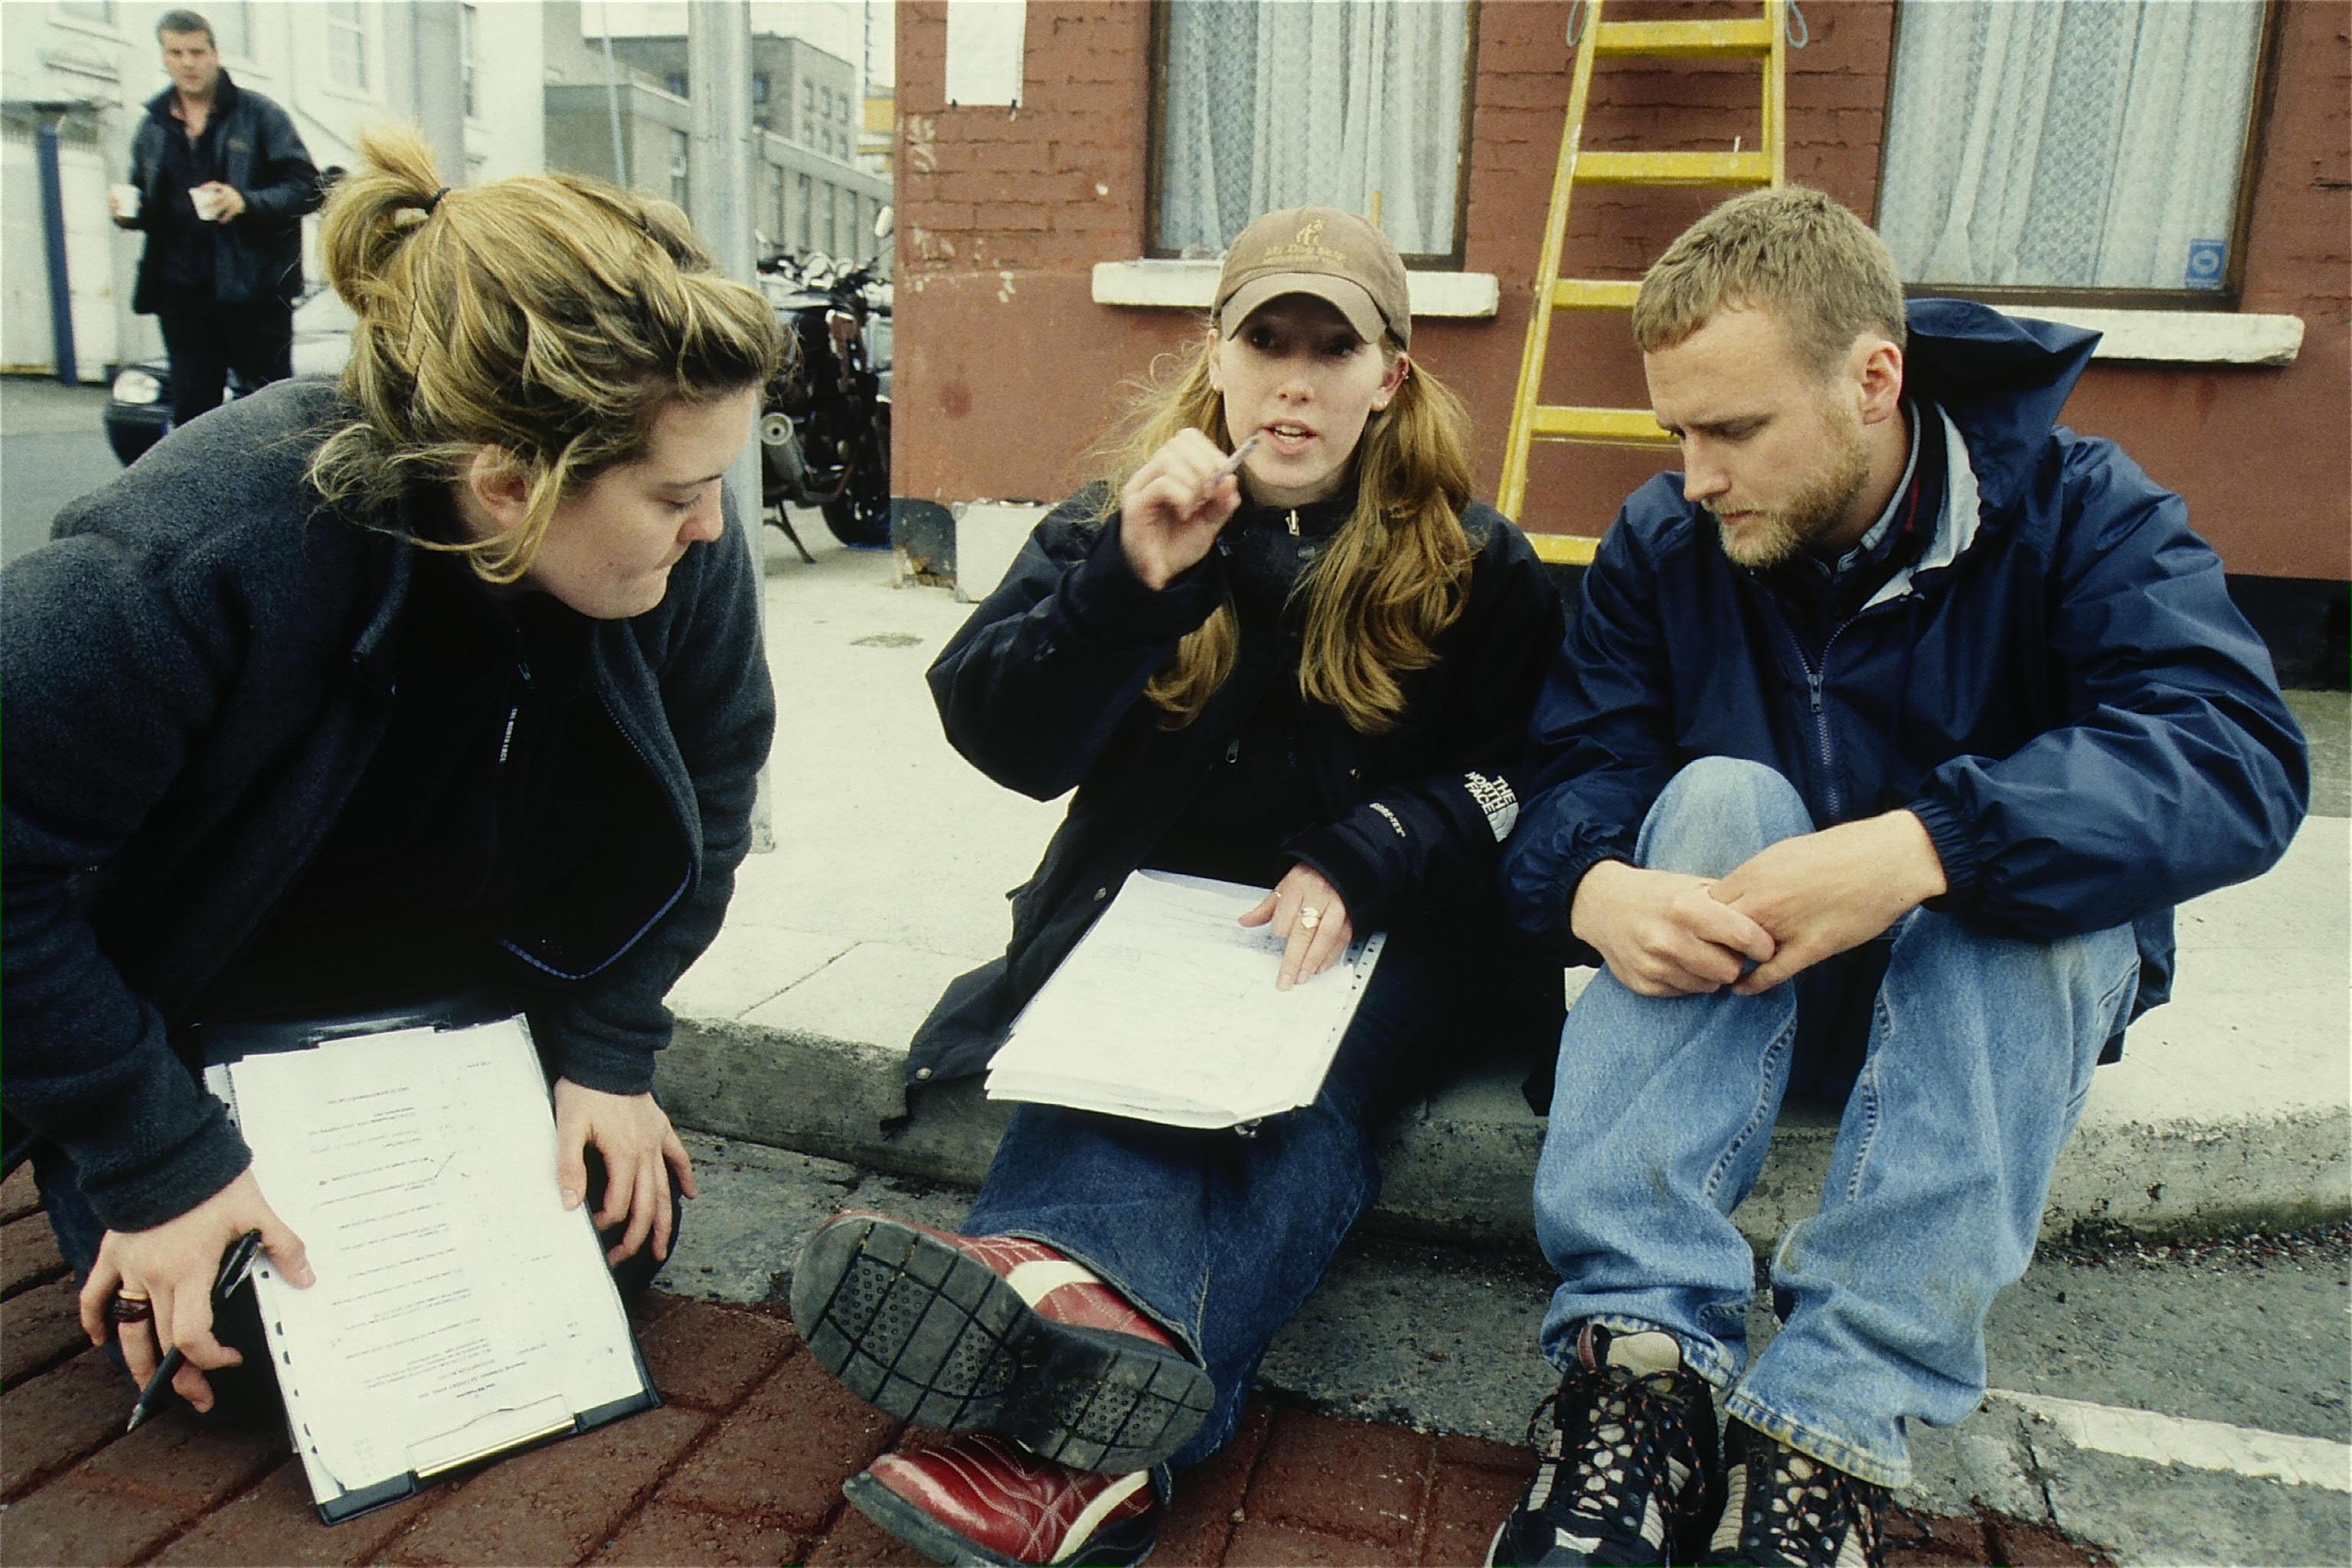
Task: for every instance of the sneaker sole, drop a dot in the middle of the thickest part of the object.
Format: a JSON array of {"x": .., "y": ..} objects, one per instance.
[
  {"x": 1114, "y": 1546},
  {"x": 928, "y": 1334}
]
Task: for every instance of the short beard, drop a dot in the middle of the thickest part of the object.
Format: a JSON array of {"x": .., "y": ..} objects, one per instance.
[{"x": 1769, "y": 539}]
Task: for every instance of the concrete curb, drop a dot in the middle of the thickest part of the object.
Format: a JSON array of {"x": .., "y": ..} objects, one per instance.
[
  {"x": 1458, "y": 1166},
  {"x": 2229, "y": 1112}
]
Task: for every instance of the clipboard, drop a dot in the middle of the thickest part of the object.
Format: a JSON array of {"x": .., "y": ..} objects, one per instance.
[
  {"x": 1205, "y": 1039},
  {"x": 510, "y": 1357}
]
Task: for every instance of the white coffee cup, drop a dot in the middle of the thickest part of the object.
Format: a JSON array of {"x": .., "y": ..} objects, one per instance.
[
  {"x": 207, "y": 202},
  {"x": 126, "y": 200}
]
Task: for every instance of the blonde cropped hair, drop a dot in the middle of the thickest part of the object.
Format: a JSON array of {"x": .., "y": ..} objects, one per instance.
[
  {"x": 1393, "y": 578},
  {"x": 549, "y": 317},
  {"x": 1791, "y": 250}
]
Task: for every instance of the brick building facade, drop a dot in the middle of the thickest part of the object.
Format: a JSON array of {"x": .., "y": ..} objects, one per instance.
[{"x": 1008, "y": 365}]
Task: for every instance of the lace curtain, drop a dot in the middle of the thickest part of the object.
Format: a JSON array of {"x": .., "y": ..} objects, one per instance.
[
  {"x": 1329, "y": 102},
  {"x": 2068, "y": 143}
]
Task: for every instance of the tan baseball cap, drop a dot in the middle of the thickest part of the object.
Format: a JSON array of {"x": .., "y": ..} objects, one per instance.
[{"x": 1332, "y": 255}]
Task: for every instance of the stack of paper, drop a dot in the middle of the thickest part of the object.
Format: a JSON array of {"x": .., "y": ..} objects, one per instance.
[
  {"x": 1166, "y": 1011},
  {"x": 461, "y": 1309}
]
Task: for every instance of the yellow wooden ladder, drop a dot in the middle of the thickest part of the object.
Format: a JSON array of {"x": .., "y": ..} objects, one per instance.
[{"x": 1533, "y": 420}]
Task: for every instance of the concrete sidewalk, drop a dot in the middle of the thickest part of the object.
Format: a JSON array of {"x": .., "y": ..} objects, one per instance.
[{"x": 892, "y": 855}]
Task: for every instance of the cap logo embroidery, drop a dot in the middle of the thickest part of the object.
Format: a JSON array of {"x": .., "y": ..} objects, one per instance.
[
  {"x": 1312, "y": 235},
  {"x": 1308, "y": 254}
]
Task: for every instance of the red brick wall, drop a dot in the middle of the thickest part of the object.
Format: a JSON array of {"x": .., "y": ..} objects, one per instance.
[{"x": 1007, "y": 370}]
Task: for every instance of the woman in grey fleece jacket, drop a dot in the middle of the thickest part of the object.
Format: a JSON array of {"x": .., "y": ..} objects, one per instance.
[{"x": 450, "y": 680}]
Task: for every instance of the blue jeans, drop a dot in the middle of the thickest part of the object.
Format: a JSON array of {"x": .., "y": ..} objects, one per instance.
[
  {"x": 1220, "y": 1239},
  {"x": 1979, "y": 1054}
]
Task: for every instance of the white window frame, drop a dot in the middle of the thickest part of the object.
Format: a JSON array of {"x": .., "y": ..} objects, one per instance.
[
  {"x": 366, "y": 25},
  {"x": 215, "y": 10},
  {"x": 470, "y": 37}
]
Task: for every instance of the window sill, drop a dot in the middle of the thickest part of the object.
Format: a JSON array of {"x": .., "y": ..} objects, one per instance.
[
  {"x": 2180, "y": 337},
  {"x": 1175, "y": 285},
  {"x": 81, "y": 65},
  {"x": 2163, "y": 337}
]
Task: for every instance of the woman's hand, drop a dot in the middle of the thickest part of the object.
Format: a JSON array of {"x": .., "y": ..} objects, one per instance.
[
  {"x": 173, "y": 1265},
  {"x": 1170, "y": 511},
  {"x": 1308, "y": 910},
  {"x": 640, "y": 1150}
]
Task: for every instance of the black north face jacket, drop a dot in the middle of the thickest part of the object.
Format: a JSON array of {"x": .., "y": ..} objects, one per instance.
[{"x": 1042, "y": 691}]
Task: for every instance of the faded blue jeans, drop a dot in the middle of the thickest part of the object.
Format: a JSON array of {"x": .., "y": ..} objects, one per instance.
[
  {"x": 1979, "y": 1054},
  {"x": 1220, "y": 1239}
]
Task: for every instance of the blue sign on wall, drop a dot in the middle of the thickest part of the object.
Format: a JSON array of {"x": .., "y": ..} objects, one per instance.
[{"x": 2208, "y": 264}]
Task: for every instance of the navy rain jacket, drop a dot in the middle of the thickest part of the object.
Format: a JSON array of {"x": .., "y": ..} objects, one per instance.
[{"x": 2059, "y": 687}]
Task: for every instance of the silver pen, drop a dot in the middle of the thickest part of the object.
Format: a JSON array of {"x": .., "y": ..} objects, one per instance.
[{"x": 1232, "y": 465}]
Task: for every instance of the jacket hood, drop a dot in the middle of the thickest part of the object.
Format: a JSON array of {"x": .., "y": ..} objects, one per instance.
[{"x": 2003, "y": 379}]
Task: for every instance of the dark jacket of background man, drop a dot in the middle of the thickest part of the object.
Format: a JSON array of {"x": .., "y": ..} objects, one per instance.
[
  {"x": 222, "y": 291},
  {"x": 250, "y": 144}
]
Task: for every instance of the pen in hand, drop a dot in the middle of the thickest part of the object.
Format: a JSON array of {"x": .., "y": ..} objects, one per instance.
[
  {"x": 236, "y": 1267},
  {"x": 1232, "y": 465}
]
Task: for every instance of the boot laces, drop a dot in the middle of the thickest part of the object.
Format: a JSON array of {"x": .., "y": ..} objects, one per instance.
[
  {"x": 1806, "y": 1511},
  {"x": 1616, "y": 1426}
]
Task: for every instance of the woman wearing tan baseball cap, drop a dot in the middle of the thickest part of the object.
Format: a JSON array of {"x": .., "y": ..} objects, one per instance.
[{"x": 1278, "y": 644}]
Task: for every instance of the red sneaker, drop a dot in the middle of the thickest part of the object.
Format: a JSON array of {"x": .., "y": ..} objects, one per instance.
[
  {"x": 977, "y": 1499},
  {"x": 995, "y": 1334}
]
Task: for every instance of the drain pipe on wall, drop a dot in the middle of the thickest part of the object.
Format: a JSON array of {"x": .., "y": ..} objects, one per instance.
[{"x": 53, "y": 236}]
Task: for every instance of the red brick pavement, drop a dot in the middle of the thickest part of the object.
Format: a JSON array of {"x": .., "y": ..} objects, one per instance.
[{"x": 742, "y": 1464}]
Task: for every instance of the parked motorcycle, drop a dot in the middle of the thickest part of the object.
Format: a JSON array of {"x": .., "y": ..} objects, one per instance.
[{"x": 824, "y": 423}]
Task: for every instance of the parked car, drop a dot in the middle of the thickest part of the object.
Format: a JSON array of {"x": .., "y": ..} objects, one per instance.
[{"x": 139, "y": 412}]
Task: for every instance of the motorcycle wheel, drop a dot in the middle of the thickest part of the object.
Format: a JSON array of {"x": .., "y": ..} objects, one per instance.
[{"x": 861, "y": 517}]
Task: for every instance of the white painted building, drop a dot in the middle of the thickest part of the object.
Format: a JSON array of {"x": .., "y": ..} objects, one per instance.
[{"x": 88, "y": 68}]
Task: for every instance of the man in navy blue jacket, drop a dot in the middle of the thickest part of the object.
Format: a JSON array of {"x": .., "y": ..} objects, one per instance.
[{"x": 1885, "y": 739}]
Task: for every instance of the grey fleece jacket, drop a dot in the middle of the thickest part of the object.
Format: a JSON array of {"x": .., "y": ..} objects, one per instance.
[{"x": 193, "y": 674}]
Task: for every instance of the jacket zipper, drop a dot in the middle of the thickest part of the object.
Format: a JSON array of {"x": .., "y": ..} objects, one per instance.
[
  {"x": 1293, "y": 522},
  {"x": 506, "y": 740},
  {"x": 1815, "y": 680},
  {"x": 1833, "y": 798}
]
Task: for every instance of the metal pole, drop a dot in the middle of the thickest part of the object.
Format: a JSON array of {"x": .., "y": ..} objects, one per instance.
[
  {"x": 612, "y": 101},
  {"x": 53, "y": 234},
  {"x": 439, "y": 36},
  {"x": 719, "y": 192}
]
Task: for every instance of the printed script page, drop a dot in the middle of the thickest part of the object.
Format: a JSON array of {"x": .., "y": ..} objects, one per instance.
[
  {"x": 1167, "y": 1009},
  {"x": 459, "y": 1308}
]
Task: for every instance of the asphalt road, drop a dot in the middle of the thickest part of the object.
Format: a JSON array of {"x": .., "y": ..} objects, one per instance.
[{"x": 52, "y": 449}]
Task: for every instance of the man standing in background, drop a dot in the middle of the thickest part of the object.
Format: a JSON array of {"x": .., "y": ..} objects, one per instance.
[{"x": 219, "y": 180}]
